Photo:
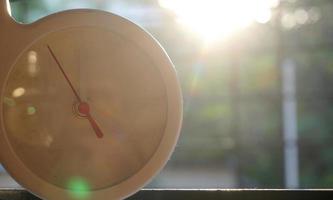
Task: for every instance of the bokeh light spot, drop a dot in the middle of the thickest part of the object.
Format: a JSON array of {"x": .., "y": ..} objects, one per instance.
[
  {"x": 9, "y": 101},
  {"x": 301, "y": 16},
  {"x": 79, "y": 188},
  {"x": 18, "y": 92},
  {"x": 314, "y": 14},
  {"x": 32, "y": 57},
  {"x": 288, "y": 21},
  {"x": 32, "y": 63},
  {"x": 31, "y": 110}
]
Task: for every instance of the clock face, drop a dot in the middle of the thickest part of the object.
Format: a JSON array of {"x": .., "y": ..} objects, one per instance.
[{"x": 85, "y": 106}]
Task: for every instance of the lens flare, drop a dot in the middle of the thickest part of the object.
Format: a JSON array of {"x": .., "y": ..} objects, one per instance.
[
  {"x": 214, "y": 19},
  {"x": 31, "y": 110},
  {"x": 32, "y": 63},
  {"x": 9, "y": 101},
  {"x": 20, "y": 91},
  {"x": 79, "y": 188}
]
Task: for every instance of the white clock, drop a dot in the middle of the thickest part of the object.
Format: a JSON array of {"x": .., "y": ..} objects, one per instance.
[{"x": 90, "y": 105}]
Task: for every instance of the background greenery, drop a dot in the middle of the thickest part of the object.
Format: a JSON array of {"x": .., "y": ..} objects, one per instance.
[{"x": 232, "y": 91}]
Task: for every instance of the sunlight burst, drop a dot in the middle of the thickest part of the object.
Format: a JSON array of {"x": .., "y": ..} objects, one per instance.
[{"x": 214, "y": 19}]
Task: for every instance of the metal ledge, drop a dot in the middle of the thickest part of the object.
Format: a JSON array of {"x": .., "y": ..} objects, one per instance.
[{"x": 213, "y": 194}]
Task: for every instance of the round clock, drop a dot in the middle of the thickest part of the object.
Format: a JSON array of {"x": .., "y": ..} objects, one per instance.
[{"x": 90, "y": 105}]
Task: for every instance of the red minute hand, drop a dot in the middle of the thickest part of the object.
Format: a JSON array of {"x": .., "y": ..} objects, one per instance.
[
  {"x": 83, "y": 107},
  {"x": 63, "y": 72}
]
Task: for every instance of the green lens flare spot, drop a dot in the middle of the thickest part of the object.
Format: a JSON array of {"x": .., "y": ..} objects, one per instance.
[
  {"x": 78, "y": 188},
  {"x": 31, "y": 110},
  {"x": 9, "y": 101}
]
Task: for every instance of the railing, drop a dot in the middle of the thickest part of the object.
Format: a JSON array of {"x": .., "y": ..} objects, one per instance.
[{"x": 213, "y": 194}]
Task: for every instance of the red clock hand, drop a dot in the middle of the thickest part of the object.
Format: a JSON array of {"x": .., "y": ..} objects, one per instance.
[
  {"x": 83, "y": 107},
  {"x": 63, "y": 72},
  {"x": 95, "y": 126}
]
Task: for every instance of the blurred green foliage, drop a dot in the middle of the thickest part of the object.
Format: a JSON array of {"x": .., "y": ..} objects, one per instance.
[{"x": 232, "y": 92}]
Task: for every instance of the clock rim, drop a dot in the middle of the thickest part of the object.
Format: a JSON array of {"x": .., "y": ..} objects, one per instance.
[{"x": 86, "y": 17}]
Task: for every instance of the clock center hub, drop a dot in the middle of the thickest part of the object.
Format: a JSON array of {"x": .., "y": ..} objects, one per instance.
[{"x": 83, "y": 109}]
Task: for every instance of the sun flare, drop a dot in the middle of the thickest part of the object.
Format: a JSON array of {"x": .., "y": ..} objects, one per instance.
[{"x": 215, "y": 19}]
